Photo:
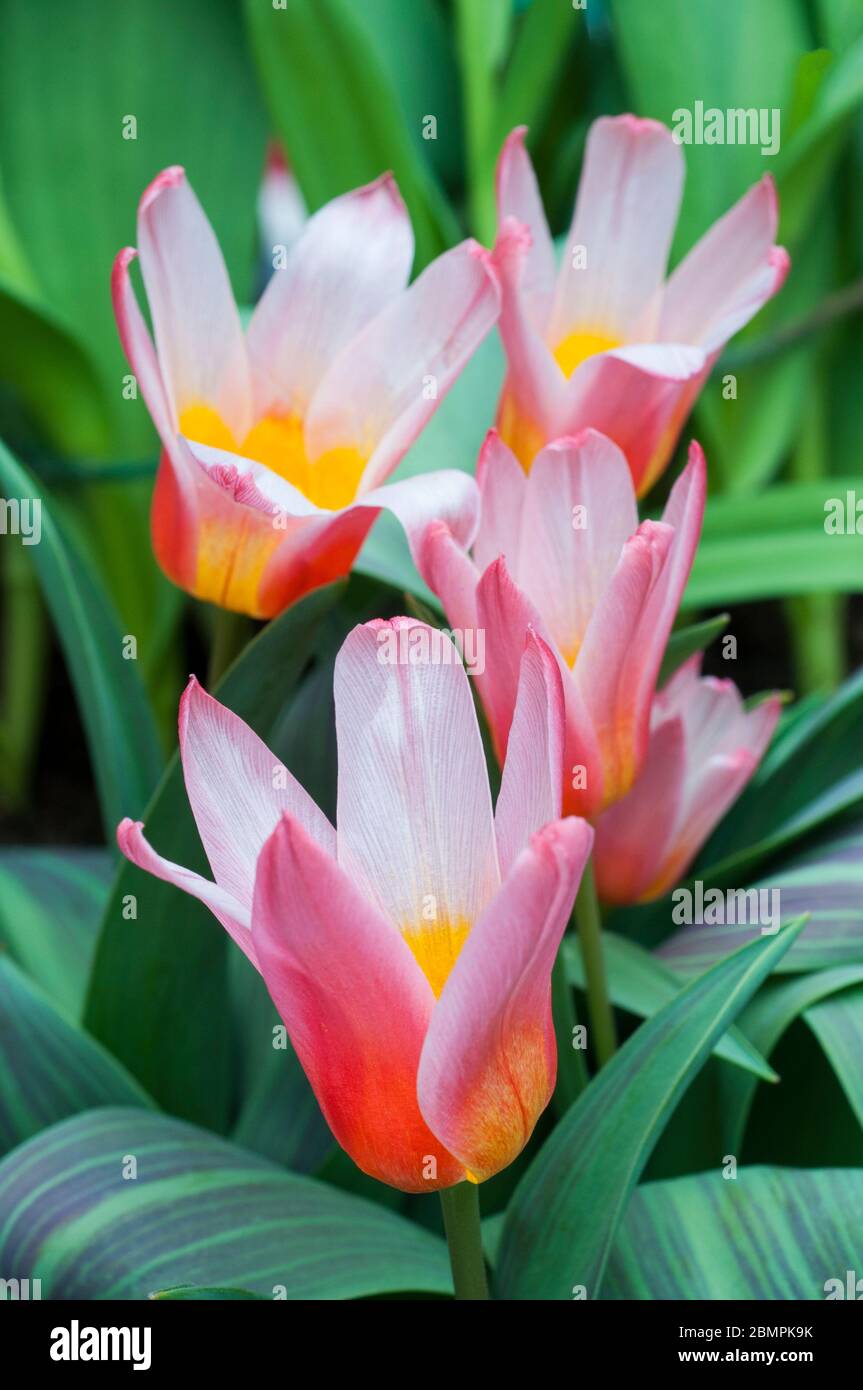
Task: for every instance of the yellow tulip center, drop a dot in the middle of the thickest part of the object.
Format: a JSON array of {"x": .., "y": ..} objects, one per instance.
[
  {"x": 278, "y": 442},
  {"x": 436, "y": 946},
  {"x": 572, "y": 351}
]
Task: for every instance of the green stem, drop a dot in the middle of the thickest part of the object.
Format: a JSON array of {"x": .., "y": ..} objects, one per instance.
[
  {"x": 588, "y": 924},
  {"x": 463, "y": 1235},
  {"x": 571, "y": 1066},
  {"x": 231, "y": 632}
]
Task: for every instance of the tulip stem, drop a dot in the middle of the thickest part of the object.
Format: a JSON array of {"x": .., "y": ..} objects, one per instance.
[
  {"x": 464, "y": 1237},
  {"x": 231, "y": 631},
  {"x": 589, "y": 927},
  {"x": 571, "y": 1067}
]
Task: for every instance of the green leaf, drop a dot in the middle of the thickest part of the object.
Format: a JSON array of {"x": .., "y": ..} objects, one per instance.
[
  {"x": 825, "y": 882},
  {"x": 190, "y": 1293},
  {"x": 73, "y": 178},
  {"x": 774, "y": 1234},
  {"x": 764, "y": 1021},
  {"x": 641, "y": 984},
  {"x": 542, "y": 45},
  {"x": 49, "y": 1069},
  {"x": 51, "y": 902},
  {"x": 158, "y": 993},
  {"x": 684, "y": 642},
  {"x": 837, "y": 1023},
  {"x": 200, "y": 1211},
  {"x": 336, "y": 110},
  {"x": 121, "y": 734},
  {"x": 562, "y": 1221}
]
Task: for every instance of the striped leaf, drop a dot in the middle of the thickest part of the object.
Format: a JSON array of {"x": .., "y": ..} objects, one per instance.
[
  {"x": 826, "y": 882},
  {"x": 51, "y": 902},
  {"x": 132, "y": 1203},
  {"x": 773, "y": 1233},
  {"x": 837, "y": 1023},
  {"x": 49, "y": 1069},
  {"x": 562, "y": 1220}
]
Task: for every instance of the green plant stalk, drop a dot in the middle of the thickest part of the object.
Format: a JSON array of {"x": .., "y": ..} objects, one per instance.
[
  {"x": 460, "y": 1206},
  {"x": 589, "y": 927},
  {"x": 231, "y": 632},
  {"x": 25, "y": 645},
  {"x": 571, "y": 1066}
]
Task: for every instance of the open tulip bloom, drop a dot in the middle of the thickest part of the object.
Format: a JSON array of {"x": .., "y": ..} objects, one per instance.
[
  {"x": 607, "y": 342},
  {"x": 704, "y": 747},
  {"x": 560, "y": 551},
  {"x": 277, "y": 442},
  {"x": 409, "y": 951}
]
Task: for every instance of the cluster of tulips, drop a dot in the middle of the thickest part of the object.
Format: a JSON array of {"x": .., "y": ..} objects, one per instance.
[{"x": 410, "y": 948}]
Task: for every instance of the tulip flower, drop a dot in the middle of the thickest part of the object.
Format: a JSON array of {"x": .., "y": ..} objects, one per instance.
[
  {"x": 704, "y": 747},
  {"x": 409, "y": 951},
  {"x": 607, "y": 341},
  {"x": 277, "y": 441},
  {"x": 560, "y": 551}
]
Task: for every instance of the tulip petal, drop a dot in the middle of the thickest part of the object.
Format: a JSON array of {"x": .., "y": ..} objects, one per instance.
[
  {"x": 505, "y": 614},
  {"x": 534, "y": 390},
  {"x": 353, "y": 257},
  {"x": 356, "y": 1007},
  {"x": 729, "y": 274},
  {"x": 197, "y": 329},
  {"x": 531, "y": 782},
  {"x": 578, "y": 512},
  {"x": 234, "y": 915},
  {"x": 238, "y": 790},
  {"x": 415, "y": 825},
  {"x": 518, "y": 197},
  {"x": 617, "y": 656},
  {"x": 502, "y": 484},
  {"x": 625, "y": 215},
  {"x": 634, "y": 836},
  {"x": 387, "y": 382},
  {"x": 488, "y": 1065}
]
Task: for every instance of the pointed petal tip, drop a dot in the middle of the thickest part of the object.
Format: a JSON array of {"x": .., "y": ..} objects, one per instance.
[{"x": 171, "y": 177}]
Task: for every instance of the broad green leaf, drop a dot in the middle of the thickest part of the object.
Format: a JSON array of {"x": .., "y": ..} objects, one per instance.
[
  {"x": 74, "y": 165},
  {"x": 764, "y": 1021},
  {"x": 189, "y": 1293},
  {"x": 562, "y": 1221},
  {"x": 641, "y": 984},
  {"x": 684, "y": 642},
  {"x": 200, "y": 1211},
  {"x": 541, "y": 46},
  {"x": 826, "y": 882},
  {"x": 122, "y": 738},
  {"x": 158, "y": 993},
  {"x": 774, "y": 1234},
  {"x": 337, "y": 111},
  {"x": 49, "y": 1069},
  {"x": 51, "y": 902},
  {"x": 837, "y": 1023}
]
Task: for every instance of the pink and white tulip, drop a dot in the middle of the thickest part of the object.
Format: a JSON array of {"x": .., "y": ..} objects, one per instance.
[
  {"x": 704, "y": 747},
  {"x": 277, "y": 441},
  {"x": 607, "y": 341},
  {"x": 559, "y": 551},
  {"x": 409, "y": 951}
]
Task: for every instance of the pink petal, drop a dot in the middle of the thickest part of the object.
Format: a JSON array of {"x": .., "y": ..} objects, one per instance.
[
  {"x": 415, "y": 826},
  {"x": 518, "y": 197},
  {"x": 387, "y": 382},
  {"x": 532, "y": 780},
  {"x": 352, "y": 258},
  {"x": 729, "y": 274},
  {"x": 234, "y": 915},
  {"x": 238, "y": 790},
  {"x": 634, "y": 835},
  {"x": 356, "y": 1007},
  {"x": 199, "y": 340},
  {"x": 503, "y": 485},
  {"x": 625, "y": 215},
  {"x": 564, "y": 566},
  {"x": 488, "y": 1065},
  {"x": 534, "y": 391}
]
